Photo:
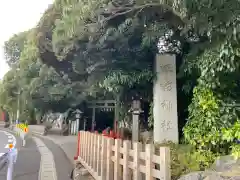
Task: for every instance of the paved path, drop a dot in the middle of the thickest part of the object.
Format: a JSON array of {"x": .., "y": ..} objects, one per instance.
[
  {"x": 62, "y": 163},
  {"x": 64, "y": 146},
  {"x": 47, "y": 164},
  {"x": 67, "y": 143}
]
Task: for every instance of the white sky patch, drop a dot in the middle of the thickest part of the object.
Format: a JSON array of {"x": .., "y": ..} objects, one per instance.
[{"x": 17, "y": 16}]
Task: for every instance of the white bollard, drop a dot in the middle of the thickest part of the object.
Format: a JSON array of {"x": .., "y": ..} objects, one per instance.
[
  {"x": 23, "y": 139},
  {"x": 24, "y": 142},
  {"x": 12, "y": 158},
  {"x": 10, "y": 167}
]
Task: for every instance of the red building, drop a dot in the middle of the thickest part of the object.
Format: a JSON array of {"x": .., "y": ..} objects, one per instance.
[{"x": 2, "y": 116}]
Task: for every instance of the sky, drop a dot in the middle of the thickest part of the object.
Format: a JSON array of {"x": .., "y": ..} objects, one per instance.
[{"x": 17, "y": 16}]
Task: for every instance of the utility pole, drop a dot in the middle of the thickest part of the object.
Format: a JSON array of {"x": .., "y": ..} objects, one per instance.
[
  {"x": 18, "y": 101},
  {"x": 18, "y": 106}
]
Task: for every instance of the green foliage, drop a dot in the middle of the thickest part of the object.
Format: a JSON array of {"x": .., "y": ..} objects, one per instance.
[
  {"x": 232, "y": 136},
  {"x": 37, "y": 85},
  {"x": 27, "y": 115},
  {"x": 119, "y": 81},
  {"x": 204, "y": 124},
  {"x": 14, "y": 46},
  {"x": 236, "y": 150},
  {"x": 8, "y": 91},
  {"x": 186, "y": 159},
  {"x": 216, "y": 59}
]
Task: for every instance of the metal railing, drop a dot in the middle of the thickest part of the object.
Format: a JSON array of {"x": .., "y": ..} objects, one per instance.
[{"x": 9, "y": 159}]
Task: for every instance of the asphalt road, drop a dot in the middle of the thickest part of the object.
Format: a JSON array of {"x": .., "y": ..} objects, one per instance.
[
  {"x": 28, "y": 161},
  {"x": 5, "y": 139}
]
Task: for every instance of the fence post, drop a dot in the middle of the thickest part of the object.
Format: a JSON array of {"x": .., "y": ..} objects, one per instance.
[
  {"x": 89, "y": 141},
  {"x": 137, "y": 147},
  {"x": 84, "y": 146},
  {"x": 148, "y": 159},
  {"x": 165, "y": 165},
  {"x": 81, "y": 144},
  {"x": 117, "y": 159},
  {"x": 94, "y": 161},
  {"x": 126, "y": 146},
  {"x": 103, "y": 152},
  {"x": 109, "y": 159},
  {"x": 78, "y": 146},
  {"x": 99, "y": 150},
  {"x": 91, "y": 149}
]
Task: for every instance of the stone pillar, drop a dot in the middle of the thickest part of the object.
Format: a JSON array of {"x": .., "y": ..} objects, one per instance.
[
  {"x": 135, "y": 126},
  {"x": 165, "y": 100},
  {"x": 77, "y": 125},
  {"x": 136, "y": 111}
]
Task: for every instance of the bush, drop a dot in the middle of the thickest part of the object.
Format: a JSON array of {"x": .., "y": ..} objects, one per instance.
[
  {"x": 207, "y": 118},
  {"x": 232, "y": 136},
  {"x": 186, "y": 159}
]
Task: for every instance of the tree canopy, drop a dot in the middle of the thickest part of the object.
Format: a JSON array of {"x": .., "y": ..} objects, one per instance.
[{"x": 14, "y": 46}]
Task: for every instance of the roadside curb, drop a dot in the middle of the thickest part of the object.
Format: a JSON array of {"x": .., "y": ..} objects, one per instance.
[
  {"x": 59, "y": 145},
  {"x": 37, "y": 133},
  {"x": 11, "y": 131},
  {"x": 14, "y": 134},
  {"x": 79, "y": 172}
]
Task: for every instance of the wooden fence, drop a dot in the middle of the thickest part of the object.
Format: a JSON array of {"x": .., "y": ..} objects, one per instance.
[{"x": 109, "y": 159}]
